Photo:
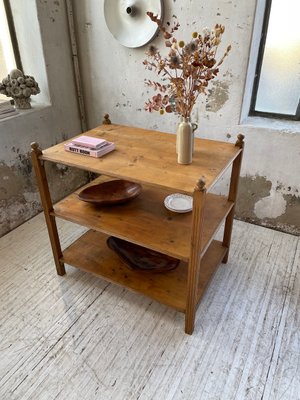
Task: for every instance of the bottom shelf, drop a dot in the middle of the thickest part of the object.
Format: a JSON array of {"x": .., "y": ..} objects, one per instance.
[{"x": 91, "y": 254}]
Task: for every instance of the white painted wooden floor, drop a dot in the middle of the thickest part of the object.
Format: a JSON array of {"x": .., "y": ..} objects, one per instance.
[{"x": 77, "y": 337}]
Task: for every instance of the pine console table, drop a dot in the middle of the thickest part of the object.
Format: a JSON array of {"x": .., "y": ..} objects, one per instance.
[{"x": 149, "y": 158}]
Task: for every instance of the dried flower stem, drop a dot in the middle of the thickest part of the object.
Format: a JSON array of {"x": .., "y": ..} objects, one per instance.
[{"x": 188, "y": 68}]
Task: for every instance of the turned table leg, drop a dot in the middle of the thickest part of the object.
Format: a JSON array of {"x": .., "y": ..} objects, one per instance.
[
  {"x": 47, "y": 206},
  {"x": 234, "y": 181},
  {"x": 195, "y": 259}
]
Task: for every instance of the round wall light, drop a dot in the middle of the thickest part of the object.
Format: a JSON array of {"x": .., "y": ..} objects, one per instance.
[{"x": 128, "y": 22}]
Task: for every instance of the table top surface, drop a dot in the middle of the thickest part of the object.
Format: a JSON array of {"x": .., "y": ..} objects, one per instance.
[{"x": 147, "y": 156}]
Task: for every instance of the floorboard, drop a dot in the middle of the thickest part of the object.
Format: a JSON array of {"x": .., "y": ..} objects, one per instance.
[{"x": 78, "y": 337}]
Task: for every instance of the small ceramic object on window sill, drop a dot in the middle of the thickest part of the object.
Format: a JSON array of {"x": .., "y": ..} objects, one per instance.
[{"x": 20, "y": 87}]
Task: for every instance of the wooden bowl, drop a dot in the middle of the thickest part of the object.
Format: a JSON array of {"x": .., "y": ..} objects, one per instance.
[
  {"x": 111, "y": 192},
  {"x": 140, "y": 258}
]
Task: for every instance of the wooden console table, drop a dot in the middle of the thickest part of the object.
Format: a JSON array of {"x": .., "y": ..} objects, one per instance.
[{"x": 148, "y": 157}]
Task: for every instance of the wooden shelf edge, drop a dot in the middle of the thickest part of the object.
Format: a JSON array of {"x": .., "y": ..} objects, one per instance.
[
  {"x": 90, "y": 254},
  {"x": 137, "y": 221}
]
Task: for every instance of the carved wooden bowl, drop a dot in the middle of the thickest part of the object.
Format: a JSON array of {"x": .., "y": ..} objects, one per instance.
[
  {"x": 112, "y": 192},
  {"x": 140, "y": 258}
]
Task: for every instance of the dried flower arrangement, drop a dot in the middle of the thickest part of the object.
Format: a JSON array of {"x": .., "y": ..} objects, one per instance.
[
  {"x": 20, "y": 87},
  {"x": 188, "y": 68}
]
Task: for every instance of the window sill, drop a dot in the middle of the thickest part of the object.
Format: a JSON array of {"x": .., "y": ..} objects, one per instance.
[
  {"x": 19, "y": 113},
  {"x": 281, "y": 125}
]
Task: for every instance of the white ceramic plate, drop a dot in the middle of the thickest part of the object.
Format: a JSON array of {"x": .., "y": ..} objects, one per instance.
[{"x": 180, "y": 203}]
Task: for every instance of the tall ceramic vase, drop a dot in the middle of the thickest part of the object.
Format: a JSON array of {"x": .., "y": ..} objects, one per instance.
[{"x": 185, "y": 141}]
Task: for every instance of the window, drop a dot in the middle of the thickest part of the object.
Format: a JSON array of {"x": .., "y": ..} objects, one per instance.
[
  {"x": 276, "y": 89},
  {"x": 9, "y": 53}
]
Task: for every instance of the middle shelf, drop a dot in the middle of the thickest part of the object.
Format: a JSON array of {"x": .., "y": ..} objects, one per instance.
[{"x": 145, "y": 220}]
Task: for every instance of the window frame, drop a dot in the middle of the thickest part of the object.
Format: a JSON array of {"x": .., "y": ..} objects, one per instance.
[
  {"x": 12, "y": 32},
  {"x": 252, "y": 111}
]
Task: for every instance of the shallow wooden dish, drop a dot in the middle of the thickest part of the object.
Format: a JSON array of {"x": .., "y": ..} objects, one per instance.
[
  {"x": 140, "y": 258},
  {"x": 112, "y": 192}
]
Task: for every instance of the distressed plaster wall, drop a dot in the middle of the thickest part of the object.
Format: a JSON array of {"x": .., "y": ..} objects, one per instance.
[
  {"x": 113, "y": 82},
  {"x": 42, "y": 31}
]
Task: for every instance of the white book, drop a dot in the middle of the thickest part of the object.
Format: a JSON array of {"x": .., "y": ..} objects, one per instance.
[{"x": 85, "y": 151}]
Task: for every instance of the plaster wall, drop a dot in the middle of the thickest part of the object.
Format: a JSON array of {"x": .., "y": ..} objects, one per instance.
[
  {"x": 113, "y": 78},
  {"x": 43, "y": 37}
]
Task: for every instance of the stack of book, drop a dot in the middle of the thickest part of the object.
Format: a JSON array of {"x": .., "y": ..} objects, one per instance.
[{"x": 90, "y": 146}]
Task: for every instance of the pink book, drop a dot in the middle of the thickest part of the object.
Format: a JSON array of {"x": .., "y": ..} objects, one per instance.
[
  {"x": 90, "y": 142},
  {"x": 86, "y": 151}
]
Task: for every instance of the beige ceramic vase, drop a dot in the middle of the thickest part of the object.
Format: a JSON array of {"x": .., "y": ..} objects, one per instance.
[{"x": 185, "y": 141}]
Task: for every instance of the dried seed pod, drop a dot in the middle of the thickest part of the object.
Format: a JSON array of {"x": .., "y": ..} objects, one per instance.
[{"x": 15, "y": 74}]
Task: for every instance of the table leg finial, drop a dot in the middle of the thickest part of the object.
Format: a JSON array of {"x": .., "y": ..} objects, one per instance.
[
  {"x": 240, "y": 140},
  {"x": 201, "y": 184},
  {"x": 35, "y": 148},
  {"x": 106, "y": 120}
]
